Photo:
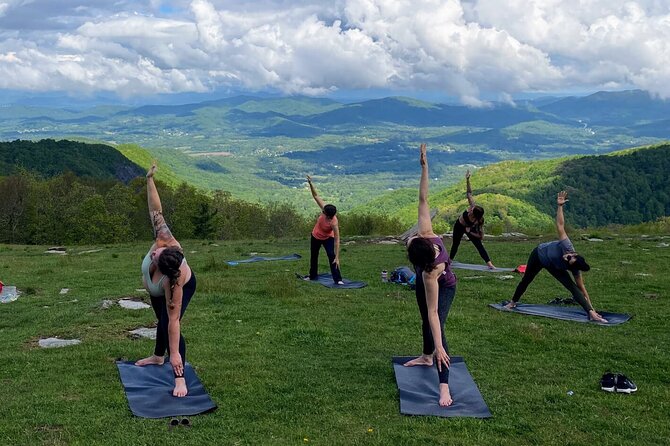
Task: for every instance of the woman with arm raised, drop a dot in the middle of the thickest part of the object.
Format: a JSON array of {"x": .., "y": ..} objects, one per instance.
[
  {"x": 435, "y": 288},
  {"x": 171, "y": 285}
]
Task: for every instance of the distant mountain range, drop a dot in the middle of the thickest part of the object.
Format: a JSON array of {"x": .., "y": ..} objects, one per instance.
[{"x": 261, "y": 148}]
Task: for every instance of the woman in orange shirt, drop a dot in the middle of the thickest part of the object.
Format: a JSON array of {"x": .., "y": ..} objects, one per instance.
[{"x": 326, "y": 233}]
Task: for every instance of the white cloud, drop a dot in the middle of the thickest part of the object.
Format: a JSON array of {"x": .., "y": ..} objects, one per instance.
[{"x": 467, "y": 48}]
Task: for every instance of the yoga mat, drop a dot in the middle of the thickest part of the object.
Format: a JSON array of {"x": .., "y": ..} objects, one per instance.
[
  {"x": 326, "y": 279},
  {"x": 263, "y": 259},
  {"x": 149, "y": 391},
  {"x": 419, "y": 389},
  {"x": 484, "y": 268},
  {"x": 575, "y": 314}
]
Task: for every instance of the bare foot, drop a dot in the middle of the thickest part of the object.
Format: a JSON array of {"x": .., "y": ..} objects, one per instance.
[
  {"x": 445, "y": 396},
  {"x": 421, "y": 360},
  {"x": 151, "y": 360},
  {"x": 490, "y": 265},
  {"x": 340, "y": 283},
  {"x": 180, "y": 389},
  {"x": 593, "y": 316},
  {"x": 510, "y": 305}
]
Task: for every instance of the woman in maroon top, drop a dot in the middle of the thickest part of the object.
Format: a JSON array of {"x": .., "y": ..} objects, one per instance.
[{"x": 435, "y": 288}]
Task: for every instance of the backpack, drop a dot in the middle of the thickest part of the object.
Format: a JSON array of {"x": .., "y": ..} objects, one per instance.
[{"x": 404, "y": 276}]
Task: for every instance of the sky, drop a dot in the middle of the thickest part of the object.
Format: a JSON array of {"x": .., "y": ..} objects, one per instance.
[{"x": 470, "y": 50}]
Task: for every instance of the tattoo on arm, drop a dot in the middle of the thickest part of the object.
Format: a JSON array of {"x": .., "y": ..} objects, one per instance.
[{"x": 161, "y": 229}]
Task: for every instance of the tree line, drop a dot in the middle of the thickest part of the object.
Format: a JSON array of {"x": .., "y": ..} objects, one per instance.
[
  {"x": 627, "y": 188},
  {"x": 67, "y": 209}
]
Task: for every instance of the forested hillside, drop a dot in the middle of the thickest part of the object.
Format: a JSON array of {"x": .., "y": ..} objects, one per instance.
[
  {"x": 66, "y": 192},
  {"x": 49, "y": 158},
  {"x": 626, "y": 187},
  {"x": 622, "y": 188},
  {"x": 88, "y": 204}
]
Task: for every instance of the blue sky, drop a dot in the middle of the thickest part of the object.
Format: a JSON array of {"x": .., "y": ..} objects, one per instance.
[{"x": 467, "y": 51}]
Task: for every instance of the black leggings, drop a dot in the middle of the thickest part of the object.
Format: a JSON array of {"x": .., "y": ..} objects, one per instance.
[
  {"x": 534, "y": 266},
  {"x": 445, "y": 298},
  {"x": 458, "y": 232},
  {"x": 160, "y": 309},
  {"x": 315, "y": 247}
]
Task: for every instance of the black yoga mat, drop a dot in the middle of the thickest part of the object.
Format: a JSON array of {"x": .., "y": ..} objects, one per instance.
[
  {"x": 149, "y": 391},
  {"x": 326, "y": 279},
  {"x": 576, "y": 314},
  {"x": 263, "y": 259},
  {"x": 484, "y": 268},
  {"x": 419, "y": 389}
]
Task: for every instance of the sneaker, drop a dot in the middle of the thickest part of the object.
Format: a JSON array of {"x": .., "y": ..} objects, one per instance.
[
  {"x": 608, "y": 382},
  {"x": 625, "y": 385}
]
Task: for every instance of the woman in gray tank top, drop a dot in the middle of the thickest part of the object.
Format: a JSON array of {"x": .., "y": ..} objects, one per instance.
[{"x": 171, "y": 284}]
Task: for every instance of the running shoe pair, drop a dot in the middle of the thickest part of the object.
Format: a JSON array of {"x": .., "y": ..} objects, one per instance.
[{"x": 619, "y": 383}]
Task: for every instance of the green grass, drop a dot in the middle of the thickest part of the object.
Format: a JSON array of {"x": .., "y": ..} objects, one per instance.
[{"x": 288, "y": 361}]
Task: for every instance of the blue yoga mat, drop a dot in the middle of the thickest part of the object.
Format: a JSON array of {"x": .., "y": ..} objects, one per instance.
[
  {"x": 326, "y": 279},
  {"x": 575, "y": 314},
  {"x": 263, "y": 259},
  {"x": 419, "y": 390},
  {"x": 149, "y": 391},
  {"x": 482, "y": 268}
]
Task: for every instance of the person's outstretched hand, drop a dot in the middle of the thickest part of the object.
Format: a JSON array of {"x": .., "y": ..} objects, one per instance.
[
  {"x": 152, "y": 170},
  {"x": 422, "y": 157},
  {"x": 441, "y": 357},
  {"x": 467, "y": 174},
  {"x": 309, "y": 179},
  {"x": 562, "y": 198},
  {"x": 177, "y": 364}
]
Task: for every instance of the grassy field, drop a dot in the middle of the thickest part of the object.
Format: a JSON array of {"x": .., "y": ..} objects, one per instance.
[{"x": 290, "y": 362}]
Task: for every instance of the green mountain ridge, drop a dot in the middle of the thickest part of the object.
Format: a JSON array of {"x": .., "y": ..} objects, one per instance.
[
  {"x": 50, "y": 158},
  {"x": 626, "y": 187}
]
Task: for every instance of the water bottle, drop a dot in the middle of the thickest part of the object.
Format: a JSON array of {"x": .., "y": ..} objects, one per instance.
[{"x": 385, "y": 275}]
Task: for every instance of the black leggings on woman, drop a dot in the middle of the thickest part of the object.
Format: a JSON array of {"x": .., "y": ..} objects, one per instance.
[
  {"x": 160, "y": 309},
  {"x": 534, "y": 266},
  {"x": 445, "y": 298},
  {"x": 329, "y": 246},
  {"x": 458, "y": 232}
]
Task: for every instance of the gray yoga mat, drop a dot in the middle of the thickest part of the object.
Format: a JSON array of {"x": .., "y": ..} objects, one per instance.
[
  {"x": 263, "y": 259},
  {"x": 149, "y": 391},
  {"x": 575, "y": 314},
  {"x": 326, "y": 279},
  {"x": 484, "y": 268},
  {"x": 419, "y": 389}
]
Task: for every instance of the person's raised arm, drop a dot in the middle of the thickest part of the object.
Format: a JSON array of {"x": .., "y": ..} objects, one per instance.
[
  {"x": 162, "y": 234},
  {"x": 468, "y": 190},
  {"x": 560, "y": 219},
  {"x": 425, "y": 224},
  {"x": 312, "y": 189}
]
